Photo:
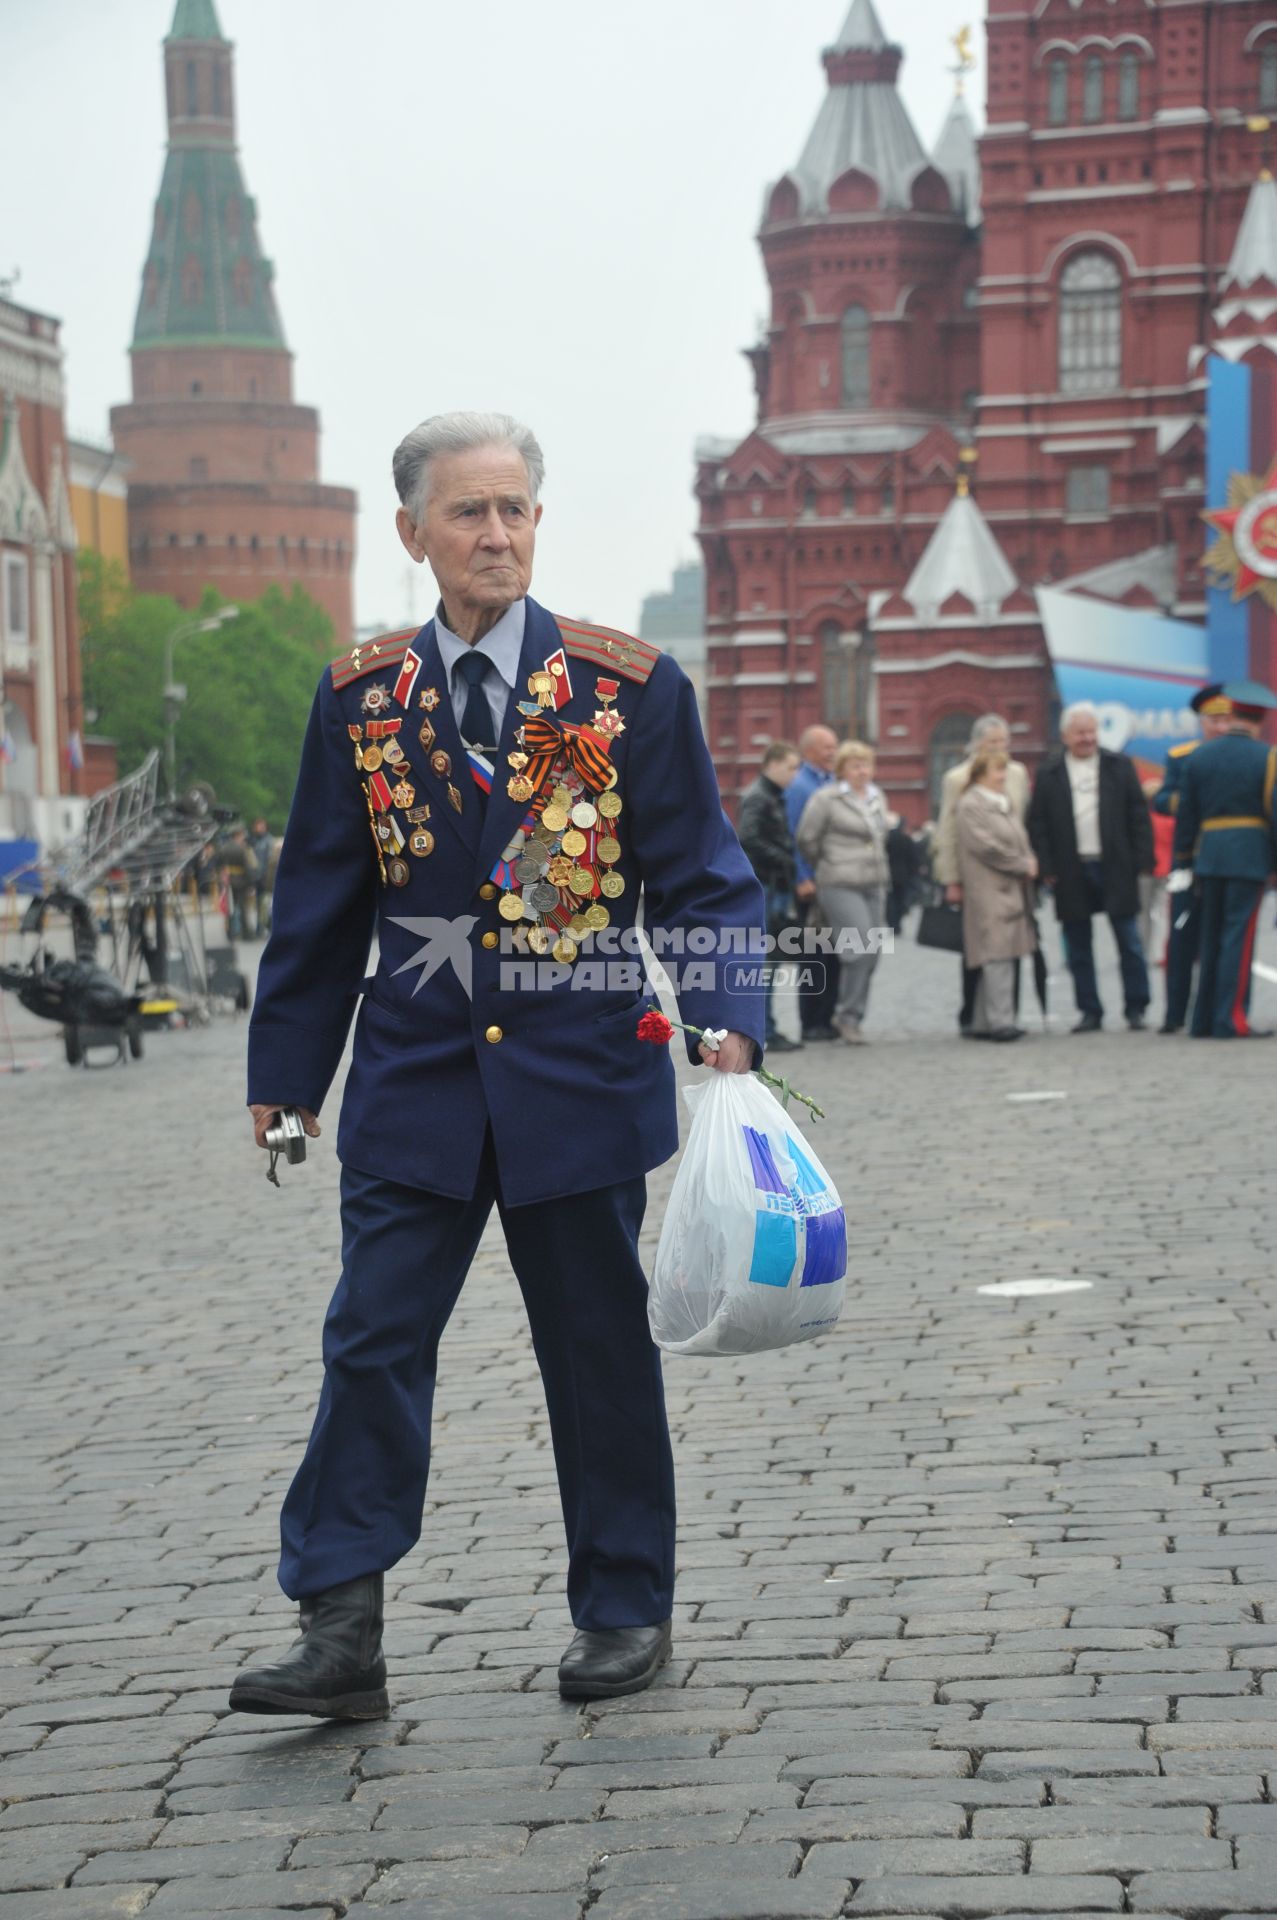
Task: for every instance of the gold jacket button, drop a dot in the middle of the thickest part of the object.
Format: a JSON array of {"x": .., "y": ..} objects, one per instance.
[
  {"x": 487, "y": 892},
  {"x": 490, "y": 940},
  {"x": 493, "y": 1035}
]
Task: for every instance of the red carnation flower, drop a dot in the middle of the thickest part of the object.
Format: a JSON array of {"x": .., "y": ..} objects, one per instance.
[{"x": 654, "y": 1027}]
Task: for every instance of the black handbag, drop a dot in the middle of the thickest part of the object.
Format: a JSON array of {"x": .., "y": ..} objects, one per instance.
[{"x": 940, "y": 925}]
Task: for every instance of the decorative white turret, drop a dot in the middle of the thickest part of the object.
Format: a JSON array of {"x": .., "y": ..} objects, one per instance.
[{"x": 962, "y": 556}]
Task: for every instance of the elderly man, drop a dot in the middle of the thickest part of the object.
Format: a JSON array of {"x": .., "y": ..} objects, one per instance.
[
  {"x": 499, "y": 779},
  {"x": 990, "y": 734},
  {"x": 818, "y": 993},
  {"x": 1091, "y": 831}
]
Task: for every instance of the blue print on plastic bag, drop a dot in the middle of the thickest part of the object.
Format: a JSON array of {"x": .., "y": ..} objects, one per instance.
[
  {"x": 826, "y": 1256},
  {"x": 775, "y": 1229}
]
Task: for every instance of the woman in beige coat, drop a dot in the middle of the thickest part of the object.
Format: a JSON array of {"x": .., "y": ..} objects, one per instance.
[
  {"x": 996, "y": 867},
  {"x": 842, "y": 836}
]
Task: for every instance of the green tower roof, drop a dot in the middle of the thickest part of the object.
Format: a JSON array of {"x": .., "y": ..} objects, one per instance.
[{"x": 195, "y": 20}]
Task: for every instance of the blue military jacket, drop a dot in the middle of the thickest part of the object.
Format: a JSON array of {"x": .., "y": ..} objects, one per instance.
[
  {"x": 1166, "y": 799},
  {"x": 1224, "y": 823},
  {"x": 411, "y": 852}
]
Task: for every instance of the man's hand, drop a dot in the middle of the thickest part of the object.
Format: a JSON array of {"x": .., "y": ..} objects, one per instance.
[
  {"x": 264, "y": 1117},
  {"x": 805, "y": 890},
  {"x": 736, "y": 1055},
  {"x": 953, "y": 894}
]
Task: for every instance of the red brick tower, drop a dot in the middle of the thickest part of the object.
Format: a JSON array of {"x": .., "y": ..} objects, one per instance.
[
  {"x": 224, "y": 487},
  {"x": 866, "y": 386}
]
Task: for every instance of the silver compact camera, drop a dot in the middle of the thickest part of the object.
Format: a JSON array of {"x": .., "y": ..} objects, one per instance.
[{"x": 286, "y": 1140}]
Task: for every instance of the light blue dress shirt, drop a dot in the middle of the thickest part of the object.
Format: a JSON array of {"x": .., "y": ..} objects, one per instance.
[{"x": 503, "y": 644}]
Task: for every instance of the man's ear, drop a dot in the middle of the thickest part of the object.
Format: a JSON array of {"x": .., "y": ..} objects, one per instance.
[{"x": 408, "y": 535}]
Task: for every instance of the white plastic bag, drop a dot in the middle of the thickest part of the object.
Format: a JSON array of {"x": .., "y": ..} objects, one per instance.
[{"x": 753, "y": 1250}]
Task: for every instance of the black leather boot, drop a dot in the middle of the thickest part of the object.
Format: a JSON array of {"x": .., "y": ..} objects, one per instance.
[
  {"x": 598, "y": 1666},
  {"x": 336, "y": 1670}
]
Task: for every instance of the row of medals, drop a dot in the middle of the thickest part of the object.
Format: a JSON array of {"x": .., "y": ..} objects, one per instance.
[{"x": 546, "y": 860}]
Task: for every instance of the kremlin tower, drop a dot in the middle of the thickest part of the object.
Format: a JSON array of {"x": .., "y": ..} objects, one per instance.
[{"x": 224, "y": 485}]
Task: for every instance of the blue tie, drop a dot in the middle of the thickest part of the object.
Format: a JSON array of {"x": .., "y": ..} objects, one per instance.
[{"x": 476, "y": 720}]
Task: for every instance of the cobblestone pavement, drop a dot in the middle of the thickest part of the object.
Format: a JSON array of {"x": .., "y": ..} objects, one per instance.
[{"x": 978, "y": 1598}]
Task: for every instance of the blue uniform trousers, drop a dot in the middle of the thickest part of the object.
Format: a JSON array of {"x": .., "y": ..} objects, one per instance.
[
  {"x": 355, "y": 1505},
  {"x": 1079, "y": 953},
  {"x": 1182, "y": 944},
  {"x": 1230, "y": 913}
]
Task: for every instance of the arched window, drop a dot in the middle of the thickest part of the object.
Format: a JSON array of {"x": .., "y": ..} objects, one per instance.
[
  {"x": 948, "y": 747},
  {"x": 1090, "y": 336},
  {"x": 835, "y": 677},
  {"x": 1268, "y": 74},
  {"x": 849, "y": 498},
  {"x": 810, "y": 502},
  {"x": 855, "y": 357},
  {"x": 1128, "y": 87},
  {"x": 192, "y": 90},
  {"x": 888, "y": 502},
  {"x": 1057, "y": 91},
  {"x": 1093, "y": 89}
]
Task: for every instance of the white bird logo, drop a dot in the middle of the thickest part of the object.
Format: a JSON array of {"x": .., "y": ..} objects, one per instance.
[{"x": 444, "y": 941}]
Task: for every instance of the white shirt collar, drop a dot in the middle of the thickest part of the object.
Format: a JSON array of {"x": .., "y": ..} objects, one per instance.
[{"x": 503, "y": 643}]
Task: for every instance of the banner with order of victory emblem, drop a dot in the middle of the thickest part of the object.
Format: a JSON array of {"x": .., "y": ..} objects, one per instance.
[{"x": 1241, "y": 521}]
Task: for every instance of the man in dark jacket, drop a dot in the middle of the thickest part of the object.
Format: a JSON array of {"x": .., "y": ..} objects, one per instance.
[
  {"x": 1090, "y": 828},
  {"x": 765, "y": 835}
]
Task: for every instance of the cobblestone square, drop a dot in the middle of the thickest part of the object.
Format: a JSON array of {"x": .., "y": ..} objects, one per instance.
[{"x": 978, "y": 1596}]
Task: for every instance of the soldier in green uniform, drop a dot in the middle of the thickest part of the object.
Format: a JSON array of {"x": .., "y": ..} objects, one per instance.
[
  {"x": 1185, "y": 928},
  {"x": 1224, "y": 829}
]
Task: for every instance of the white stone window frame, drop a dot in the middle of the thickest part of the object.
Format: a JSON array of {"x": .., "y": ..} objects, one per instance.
[{"x": 15, "y": 593}]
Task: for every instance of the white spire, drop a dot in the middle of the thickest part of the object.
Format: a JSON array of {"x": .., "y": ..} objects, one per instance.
[
  {"x": 1255, "y": 249},
  {"x": 862, "y": 30},
  {"x": 957, "y": 157},
  {"x": 962, "y": 556}
]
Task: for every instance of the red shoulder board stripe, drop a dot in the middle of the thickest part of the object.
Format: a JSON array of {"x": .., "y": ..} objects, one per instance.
[
  {"x": 606, "y": 647},
  {"x": 374, "y": 656}
]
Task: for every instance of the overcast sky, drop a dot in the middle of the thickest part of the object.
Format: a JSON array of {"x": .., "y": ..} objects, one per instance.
[{"x": 548, "y": 208}]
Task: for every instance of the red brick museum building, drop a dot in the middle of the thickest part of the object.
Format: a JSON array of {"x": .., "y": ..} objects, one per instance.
[{"x": 983, "y": 372}]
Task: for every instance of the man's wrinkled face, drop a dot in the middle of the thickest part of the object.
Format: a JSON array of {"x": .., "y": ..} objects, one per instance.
[
  {"x": 1082, "y": 737},
  {"x": 822, "y": 746},
  {"x": 477, "y": 530}
]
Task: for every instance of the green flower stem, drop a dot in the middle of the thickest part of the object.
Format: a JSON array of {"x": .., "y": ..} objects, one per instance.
[{"x": 787, "y": 1093}]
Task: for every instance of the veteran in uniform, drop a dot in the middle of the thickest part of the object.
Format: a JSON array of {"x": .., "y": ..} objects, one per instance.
[
  {"x": 1184, "y": 935},
  {"x": 502, "y": 779},
  {"x": 1224, "y": 830}
]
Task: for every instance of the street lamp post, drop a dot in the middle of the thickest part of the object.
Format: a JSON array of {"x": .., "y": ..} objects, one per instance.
[{"x": 174, "y": 695}]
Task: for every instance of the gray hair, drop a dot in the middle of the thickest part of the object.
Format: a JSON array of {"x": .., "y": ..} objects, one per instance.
[
  {"x": 460, "y": 433},
  {"x": 1080, "y": 710},
  {"x": 984, "y": 726}
]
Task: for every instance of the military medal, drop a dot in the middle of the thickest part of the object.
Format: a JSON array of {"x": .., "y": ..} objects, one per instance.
[
  {"x": 573, "y": 842},
  {"x": 407, "y": 674},
  {"x": 383, "y": 729},
  {"x": 609, "y": 850},
  {"x": 579, "y": 926},
  {"x": 416, "y": 815},
  {"x": 429, "y": 699},
  {"x": 510, "y": 907},
  {"x": 559, "y": 871},
  {"x": 374, "y": 699},
  {"x": 355, "y": 732},
  {"x": 393, "y": 754},
  {"x": 561, "y": 681},
  {"x": 584, "y": 815},
  {"x": 581, "y": 881},
  {"x": 405, "y": 793},
  {"x": 612, "y": 885},
  {"x": 379, "y": 792},
  {"x": 597, "y": 917},
  {"x": 517, "y": 760},
  {"x": 531, "y": 866},
  {"x": 454, "y": 797},
  {"x": 542, "y": 685},
  {"x": 538, "y": 940},
  {"x": 520, "y": 788},
  {"x": 609, "y": 805},
  {"x": 370, "y": 758},
  {"x": 441, "y": 763},
  {"x": 382, "y": 830},
  {"x": 565, "y": 948},
  {"x": 426, "y": 734},
  {"x": 398, "y": 872},
  {"x": 421, "y": 842},
  {"x": 542, "y": 897},
  {"x": 555, "y": 817}
]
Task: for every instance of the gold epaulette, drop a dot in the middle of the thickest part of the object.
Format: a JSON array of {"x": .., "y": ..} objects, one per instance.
[
  {"x": 1185, "y": 746},
  {"x": 605, "y": 647},
  {"x": 387, "y": 650}
]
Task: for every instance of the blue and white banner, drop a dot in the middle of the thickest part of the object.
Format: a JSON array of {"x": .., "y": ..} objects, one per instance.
[{"x": 1140, "y": 670}]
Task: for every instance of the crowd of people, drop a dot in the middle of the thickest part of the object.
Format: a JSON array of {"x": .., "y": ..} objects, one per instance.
[{"x": 829, "y": 852}]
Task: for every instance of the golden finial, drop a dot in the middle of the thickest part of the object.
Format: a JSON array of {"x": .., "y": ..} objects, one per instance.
[
  {"x": 1258, "y": 123},
  {"x": 963, "y": 486},
  {"x": 965, "y": 61}
]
